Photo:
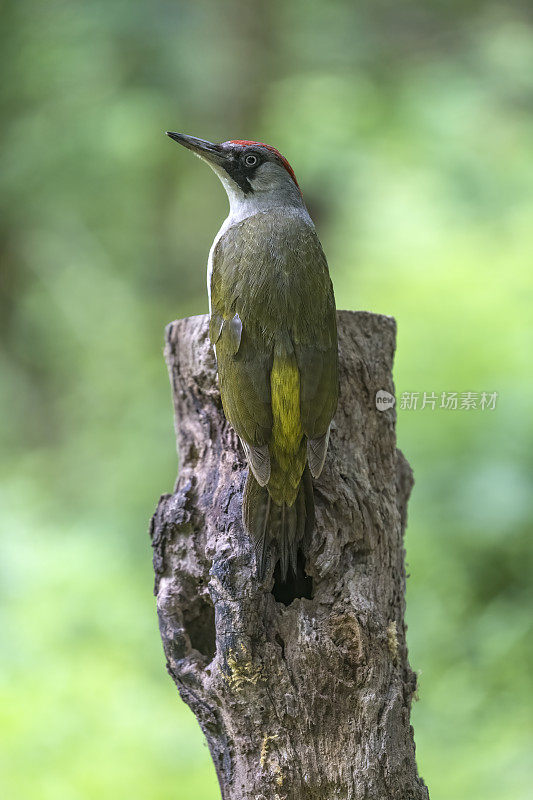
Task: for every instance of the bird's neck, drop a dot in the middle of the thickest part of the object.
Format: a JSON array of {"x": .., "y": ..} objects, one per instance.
[{"x": 286, "y": 198}]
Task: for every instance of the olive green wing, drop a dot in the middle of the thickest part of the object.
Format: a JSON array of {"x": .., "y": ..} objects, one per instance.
[
  {"x": 317, "y": 356},
  {"x": 244, "y": 366}
]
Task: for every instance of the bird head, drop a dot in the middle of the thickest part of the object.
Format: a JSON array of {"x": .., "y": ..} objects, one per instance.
[{"x": 254, "y": 174}]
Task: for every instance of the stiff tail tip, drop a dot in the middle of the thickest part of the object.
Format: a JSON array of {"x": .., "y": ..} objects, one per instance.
[{"x": 277, "y": 530}]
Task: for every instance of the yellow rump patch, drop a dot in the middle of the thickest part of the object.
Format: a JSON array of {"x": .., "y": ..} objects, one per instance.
[{"x": 286, "y": 447}]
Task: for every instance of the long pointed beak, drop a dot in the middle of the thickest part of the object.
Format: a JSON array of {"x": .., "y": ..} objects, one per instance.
[{"x": 211, "y": 152}]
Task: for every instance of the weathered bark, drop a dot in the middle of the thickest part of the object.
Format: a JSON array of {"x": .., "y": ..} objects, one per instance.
[{"x": 307, "y": 696}]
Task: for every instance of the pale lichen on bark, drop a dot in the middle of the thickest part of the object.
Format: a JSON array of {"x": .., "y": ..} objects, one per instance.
[{"x": 303, "y": 689}]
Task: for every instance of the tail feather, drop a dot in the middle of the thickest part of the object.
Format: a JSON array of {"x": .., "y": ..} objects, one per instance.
[{"x": 277, "y": 529}]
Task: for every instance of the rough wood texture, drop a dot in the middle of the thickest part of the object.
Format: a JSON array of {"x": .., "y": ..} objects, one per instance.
[{"x": 310, "y": 700}]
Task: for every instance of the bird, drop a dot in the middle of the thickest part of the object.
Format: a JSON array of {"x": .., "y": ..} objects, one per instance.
[{"x": 274, "y": 331}]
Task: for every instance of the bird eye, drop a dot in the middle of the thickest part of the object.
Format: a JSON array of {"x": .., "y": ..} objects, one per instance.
[{"x": 250, "y": 160}]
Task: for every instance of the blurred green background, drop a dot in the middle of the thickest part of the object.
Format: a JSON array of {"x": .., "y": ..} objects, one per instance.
[{"x": 410, "y": 128}]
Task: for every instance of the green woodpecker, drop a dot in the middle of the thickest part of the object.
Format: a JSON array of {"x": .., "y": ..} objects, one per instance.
[{"x": 273, "y": 327}]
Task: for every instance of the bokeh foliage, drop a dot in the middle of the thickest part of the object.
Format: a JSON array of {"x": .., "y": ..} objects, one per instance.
[{"x": 409, "y": 126}]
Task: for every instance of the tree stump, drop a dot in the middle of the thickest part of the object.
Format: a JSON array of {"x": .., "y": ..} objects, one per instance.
[{"x": 303, "y": 689}]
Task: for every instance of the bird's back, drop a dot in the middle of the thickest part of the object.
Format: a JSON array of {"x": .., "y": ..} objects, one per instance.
[{"x": 274, "y": 329}]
